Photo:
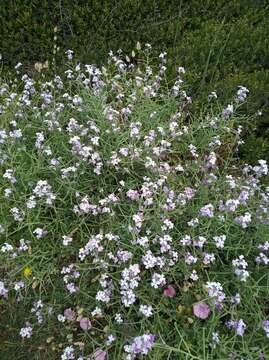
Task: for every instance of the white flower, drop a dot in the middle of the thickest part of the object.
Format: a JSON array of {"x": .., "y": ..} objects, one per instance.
[
  {"x": 157, "y": 280},
  {"x": 67, "y": 240},
  {"x": 26, "y": 332},
  {"x": 146, "y": 310},
  {"x": 118, "y": 319},
  {"x": 61, "y": 318}
]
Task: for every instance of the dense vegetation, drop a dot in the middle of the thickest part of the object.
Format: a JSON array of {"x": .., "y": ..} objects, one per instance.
[
  {"x": 134, "y": 197},
  {"x": 221, "y": 43},
  {"x": 129, "y": 229}
]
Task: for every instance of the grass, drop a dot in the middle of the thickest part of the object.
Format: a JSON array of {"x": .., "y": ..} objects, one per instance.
[{"x": 113, "y": 185}]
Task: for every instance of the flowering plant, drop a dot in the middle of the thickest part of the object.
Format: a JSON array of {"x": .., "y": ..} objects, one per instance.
[{"x": 110, "y": 194}]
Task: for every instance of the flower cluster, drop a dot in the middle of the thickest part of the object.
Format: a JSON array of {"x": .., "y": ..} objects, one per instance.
[{"x": 140, "y": 345}]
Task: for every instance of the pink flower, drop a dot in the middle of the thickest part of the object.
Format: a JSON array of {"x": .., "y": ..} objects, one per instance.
[
  {"x": 169, "y": 291},
  {"x": 99, "y": 355},
  {"x": 201, "y": 310},
  {"x": 70, "y": 314},
  {"x": 85, "y": 323}
]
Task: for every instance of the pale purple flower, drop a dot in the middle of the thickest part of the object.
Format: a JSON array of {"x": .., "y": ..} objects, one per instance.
[
  {"x": 85, "y": 323},
  {"x": 265, "y": 326},
  {"x": 190, "y": 259},
  {"x": 241, "y": 93},
  {"x": 239, "y": 326},
  {"x": 211, "y": 161},
  {"x": 169, "y": 291},
  {"x": 262, "y": 169},
  {"x": 69, "y": 54},
  {"x": 228, "y": 111},
  {"x": 3, "y": 290},
  {"x": 132, "y": 194},
  {"x": 70, "y": 314},
  {"x": 99, "y": 355},
  {"x": 201, "y": 310},
  {"x": 243, "y": 220},
  {"x": 68, "y": 353},
  {"x": 207, "y": 211},
  {"x": 141, "y": 344},
  {"x": 215, "y": 291}
]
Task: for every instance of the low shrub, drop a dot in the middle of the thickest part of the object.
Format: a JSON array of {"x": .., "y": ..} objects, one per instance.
[
  {"x": 128, "y": 226},
  {"x": 220, "y": 43}
]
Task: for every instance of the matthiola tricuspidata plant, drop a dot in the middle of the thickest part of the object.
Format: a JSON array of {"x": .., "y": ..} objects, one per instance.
[{"x": 129, "y": 228}]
